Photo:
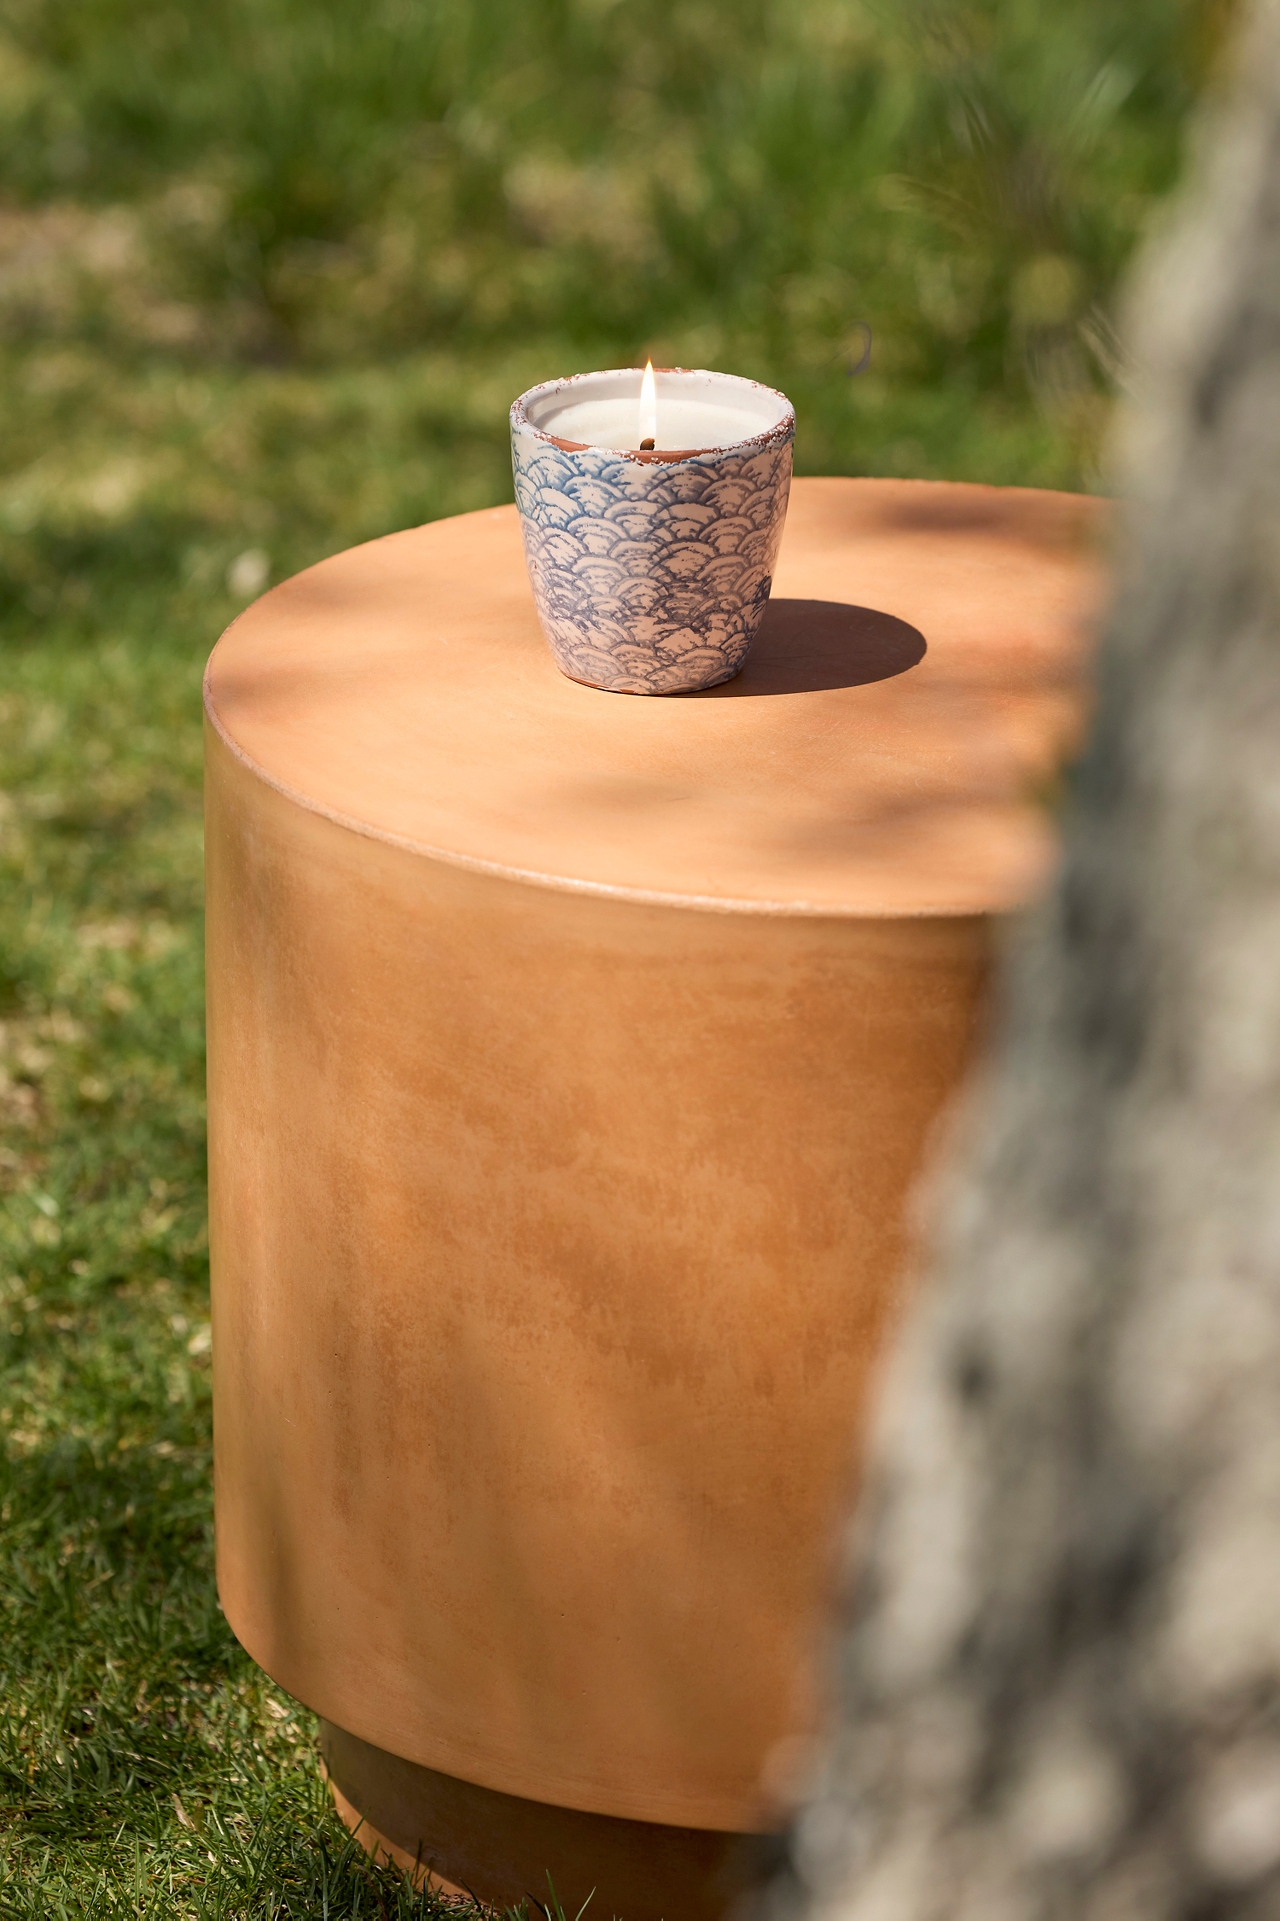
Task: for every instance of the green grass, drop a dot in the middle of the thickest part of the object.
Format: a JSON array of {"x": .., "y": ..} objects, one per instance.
[
  {"x": 270, "y": 273},
  {"x": 146, "y": 1767}
]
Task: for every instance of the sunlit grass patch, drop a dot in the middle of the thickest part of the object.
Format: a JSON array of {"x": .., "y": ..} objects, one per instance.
[{"x": 146, "y": 1766}]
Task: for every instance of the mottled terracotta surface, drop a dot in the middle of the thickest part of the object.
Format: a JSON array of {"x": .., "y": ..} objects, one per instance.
[
  {"x": 650, "y": 572},
  {"x": 570, "y": 1061}
]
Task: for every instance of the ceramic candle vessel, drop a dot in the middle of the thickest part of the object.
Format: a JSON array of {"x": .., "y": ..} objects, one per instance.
[{"x": 651, "y": 569}]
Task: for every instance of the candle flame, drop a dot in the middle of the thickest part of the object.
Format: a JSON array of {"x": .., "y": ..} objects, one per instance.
[{"x": 648, "y": 406}]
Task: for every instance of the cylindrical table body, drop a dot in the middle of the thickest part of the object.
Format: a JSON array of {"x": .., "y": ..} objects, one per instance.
[{"x": 569, "y": 1070}]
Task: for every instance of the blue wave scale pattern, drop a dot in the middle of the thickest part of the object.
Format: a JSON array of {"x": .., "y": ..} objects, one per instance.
[{"x": 650, "y": 577}]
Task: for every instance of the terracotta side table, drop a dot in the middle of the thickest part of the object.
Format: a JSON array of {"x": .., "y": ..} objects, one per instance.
[{"x": 570, "y": 1057}]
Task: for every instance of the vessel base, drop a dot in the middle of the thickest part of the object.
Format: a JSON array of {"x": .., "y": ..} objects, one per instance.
[{"x": 501, "y": 1849}]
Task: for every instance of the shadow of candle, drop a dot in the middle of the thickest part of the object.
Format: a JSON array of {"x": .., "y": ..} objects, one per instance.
[{"x": 805, "y": 645}]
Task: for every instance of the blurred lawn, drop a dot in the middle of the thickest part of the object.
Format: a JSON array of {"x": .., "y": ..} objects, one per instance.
[{"x": 270, "y": 273}]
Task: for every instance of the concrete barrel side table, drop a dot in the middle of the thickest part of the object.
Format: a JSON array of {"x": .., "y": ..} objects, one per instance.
[{"x": 570, "y": 1058}]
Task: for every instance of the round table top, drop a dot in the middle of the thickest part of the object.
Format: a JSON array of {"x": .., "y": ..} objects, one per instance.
[{"x": 916, "y": 681}]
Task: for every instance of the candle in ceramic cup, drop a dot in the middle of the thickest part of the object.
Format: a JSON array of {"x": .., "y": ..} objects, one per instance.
[
  {"x": 690, "y": 411},
  {"x": 651, "y": 564}
]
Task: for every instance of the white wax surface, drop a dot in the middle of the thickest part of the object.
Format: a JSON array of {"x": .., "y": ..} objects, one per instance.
[{"x": 681, "y": 423}]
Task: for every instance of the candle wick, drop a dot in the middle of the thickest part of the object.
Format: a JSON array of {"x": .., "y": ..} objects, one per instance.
[{"x": 647, "y": 446}]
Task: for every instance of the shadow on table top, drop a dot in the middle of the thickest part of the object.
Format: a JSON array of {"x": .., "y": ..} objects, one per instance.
[{"x": 804, "y": 645}]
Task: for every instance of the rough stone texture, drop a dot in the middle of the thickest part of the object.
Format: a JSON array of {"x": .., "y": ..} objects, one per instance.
[{"x": 1060, "y": 1667}]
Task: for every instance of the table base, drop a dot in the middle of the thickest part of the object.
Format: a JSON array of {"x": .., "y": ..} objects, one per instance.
[{"x": 500, "y": 1848}]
